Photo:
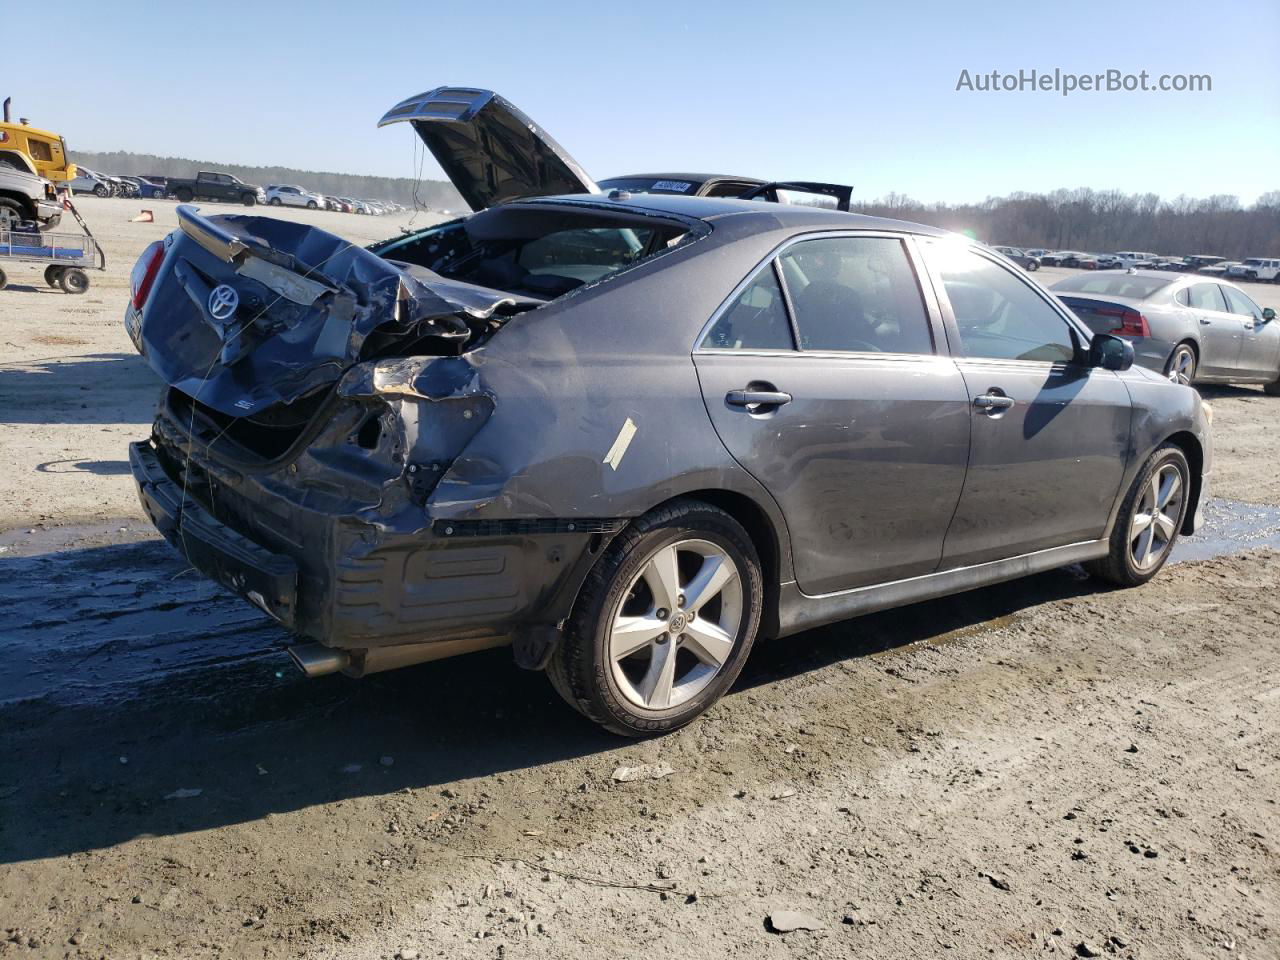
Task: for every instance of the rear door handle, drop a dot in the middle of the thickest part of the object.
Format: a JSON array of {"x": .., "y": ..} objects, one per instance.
[
  {"x": 992, "y": 401},
  {"x": 756, "y": 398}
]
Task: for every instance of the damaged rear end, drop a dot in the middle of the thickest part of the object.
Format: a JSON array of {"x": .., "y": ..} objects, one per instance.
[
  {"x": 318, "y": 392},
  {"x": 315, "y": 397}
]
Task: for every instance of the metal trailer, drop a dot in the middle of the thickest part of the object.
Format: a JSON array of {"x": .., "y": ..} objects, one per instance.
[{"x": 66, "y": 256}]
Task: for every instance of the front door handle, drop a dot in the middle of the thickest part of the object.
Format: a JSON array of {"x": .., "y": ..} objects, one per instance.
[
  {"x": 992, "y": 401},
  {"x": 756, "y": 398},
  {"x": 1206, "y": 321}
]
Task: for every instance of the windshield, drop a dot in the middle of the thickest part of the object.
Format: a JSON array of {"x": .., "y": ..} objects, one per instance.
[{"x": 1114, "y": 285}]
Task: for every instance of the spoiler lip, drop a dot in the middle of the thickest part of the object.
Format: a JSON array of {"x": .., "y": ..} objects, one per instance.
[{"x": 222, "y": 244}]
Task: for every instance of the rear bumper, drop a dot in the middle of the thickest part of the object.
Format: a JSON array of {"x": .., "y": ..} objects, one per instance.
[
  {"x": 362, "y": 584},
  {"x": 266, "y": 579}
]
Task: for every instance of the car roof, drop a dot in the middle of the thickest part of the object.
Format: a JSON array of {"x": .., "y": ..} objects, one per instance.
[{"x": 716, "y": 208}]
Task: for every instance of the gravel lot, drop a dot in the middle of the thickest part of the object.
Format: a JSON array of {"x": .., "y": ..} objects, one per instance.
[{"x": 1042, "y": 768}]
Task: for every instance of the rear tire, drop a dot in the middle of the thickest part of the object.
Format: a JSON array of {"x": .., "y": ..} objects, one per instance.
[
  {"x": 1272, "y": 389},
  {"x": 1149, "y": 520},
  {"x": 74, "y": 280},
  {"x": 1032, "y": 266},
  {"x": 1181, "y": 367},
  {"x": 274, "y": 201},
  {"x": 689, "y": 575},
  {"x": 4, "y": 281},
  {"x": 184, "y": 195}
]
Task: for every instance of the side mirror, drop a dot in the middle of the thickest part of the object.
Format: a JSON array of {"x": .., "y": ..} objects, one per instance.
[
  {"x": 1268, "y": 314},
  {"x": 1110, "y": 352}
]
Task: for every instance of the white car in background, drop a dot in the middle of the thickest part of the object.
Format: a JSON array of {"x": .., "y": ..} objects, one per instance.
[
  {"x": 1256, "y": 268},
  {"x": 291, "y": 195},
  {"x": 1129, "y": 259}
]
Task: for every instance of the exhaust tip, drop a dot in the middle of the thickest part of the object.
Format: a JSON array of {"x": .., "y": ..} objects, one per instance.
[{"x": 316, "y": 660}]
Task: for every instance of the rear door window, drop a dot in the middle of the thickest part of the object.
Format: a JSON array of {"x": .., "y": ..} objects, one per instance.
[
  {"x": 1207, "y": 296},
  {"x": 756, "y": 320},
  {"x": 856, "y": 294}
]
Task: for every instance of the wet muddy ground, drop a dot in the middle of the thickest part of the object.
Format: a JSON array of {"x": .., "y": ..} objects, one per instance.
[{"x": 1043, "y": 768}]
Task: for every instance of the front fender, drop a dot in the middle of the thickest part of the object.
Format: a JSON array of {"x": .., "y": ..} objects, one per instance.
[{"x": 1163, "y": 411}]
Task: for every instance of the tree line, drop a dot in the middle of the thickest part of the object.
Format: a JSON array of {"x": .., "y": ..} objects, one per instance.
[
  {"x": 431, "y": 194},
  {"x": 1103, "y": 221}
]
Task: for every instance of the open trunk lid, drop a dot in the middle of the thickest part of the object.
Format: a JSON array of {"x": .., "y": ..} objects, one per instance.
[
  {"x": 489, "y": 149},
  {"x": 248, "y": 312}
]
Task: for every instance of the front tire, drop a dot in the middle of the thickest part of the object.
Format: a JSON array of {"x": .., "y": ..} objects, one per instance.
[
  {"x": 311, "y": 204},
  {"x": 1033, "y": 266},
  {"x": 53, "y": 275},
  {"x": 1149, "y": 521},
  {"x": 1181, "y": 367},
  {"x": 248, "y": 199},
  {"x": 663, "y": 623}
]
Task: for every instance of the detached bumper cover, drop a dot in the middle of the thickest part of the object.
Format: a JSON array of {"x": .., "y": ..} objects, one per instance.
[{"x": 267, "y": 579}]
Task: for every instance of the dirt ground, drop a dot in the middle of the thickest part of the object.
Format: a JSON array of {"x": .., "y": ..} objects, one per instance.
[{"x": 1044, "y": 768}]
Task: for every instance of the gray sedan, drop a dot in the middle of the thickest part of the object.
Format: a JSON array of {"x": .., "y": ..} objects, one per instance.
[
  {"x": 627, "y": 435},
  {"x": 1191, "y": 328}
]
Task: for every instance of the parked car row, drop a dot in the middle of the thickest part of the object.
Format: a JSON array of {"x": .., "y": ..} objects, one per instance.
[
  {"x": 1253, "y": 269},
  {"x": 292, "y": 195},
  {"x": 212, "y": 185}
]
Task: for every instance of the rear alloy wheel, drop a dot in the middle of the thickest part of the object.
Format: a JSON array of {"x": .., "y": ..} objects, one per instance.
[
  {"x": 1181, "y": 367},
  {"x": 1149, "y": 520},
  {"x": 663, "y": 623}
]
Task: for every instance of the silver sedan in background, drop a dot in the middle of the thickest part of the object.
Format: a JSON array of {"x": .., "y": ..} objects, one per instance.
[{"x": 1193, "y": 329}]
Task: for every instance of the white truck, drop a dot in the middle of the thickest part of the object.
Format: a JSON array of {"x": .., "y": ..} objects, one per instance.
[{"x": 1256, "y": 268}]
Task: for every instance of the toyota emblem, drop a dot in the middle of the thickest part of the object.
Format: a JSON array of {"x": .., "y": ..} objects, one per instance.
[{"x": 223, "y": 302}]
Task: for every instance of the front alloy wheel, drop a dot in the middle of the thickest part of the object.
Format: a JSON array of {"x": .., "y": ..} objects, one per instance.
[
  {"x": 1149, "y": 520},
  {"x": 1155, "y": 523},
  {"x": 664, "y": 621}
]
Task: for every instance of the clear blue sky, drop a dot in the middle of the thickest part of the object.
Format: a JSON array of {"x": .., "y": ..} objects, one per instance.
[{"x": 853, "y": 92}]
